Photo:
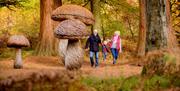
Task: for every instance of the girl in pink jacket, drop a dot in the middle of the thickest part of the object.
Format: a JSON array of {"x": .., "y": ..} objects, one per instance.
[{"x": 115, "y": 46}]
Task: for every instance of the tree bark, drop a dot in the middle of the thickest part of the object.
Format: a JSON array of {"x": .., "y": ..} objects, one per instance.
[
  {"x": 48, "y": 44},
  {"x": 160, "y": 39},
  {"x": 172, "y": 41},
  {"x": 157, "y": 25},
  {"x": 57, "y": 3},
  {"x": 130, "y": 28},
  {"x": 159, "y": 28},
  {"x": 95, "y": 8},
  {"x": 142, "y": 31}
]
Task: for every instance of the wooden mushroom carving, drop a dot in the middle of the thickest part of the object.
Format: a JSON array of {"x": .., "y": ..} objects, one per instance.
[
  {"x": 18, "y": 41},
  {"x": 71, "y": 29}
]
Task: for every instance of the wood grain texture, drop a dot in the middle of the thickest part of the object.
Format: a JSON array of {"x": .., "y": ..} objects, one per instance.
[
  {"x": 74, "y": 55},
  {"x": 18, "y": 41},
  {"x": 63, "y": 43},
  {"x": 73, "y": 12}
]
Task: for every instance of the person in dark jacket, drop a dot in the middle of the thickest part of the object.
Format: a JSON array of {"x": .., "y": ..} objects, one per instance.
[{"x": 93, "y": 44}]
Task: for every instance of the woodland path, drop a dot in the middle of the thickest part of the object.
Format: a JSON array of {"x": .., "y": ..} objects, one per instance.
[{"x": 50, "y": 64}]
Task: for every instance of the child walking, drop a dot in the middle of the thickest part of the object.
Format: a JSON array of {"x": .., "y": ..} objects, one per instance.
[{"x": 104, "y": 50}]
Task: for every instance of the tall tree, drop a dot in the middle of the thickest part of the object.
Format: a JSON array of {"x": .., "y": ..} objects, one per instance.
[
  {"x": 57, "y": 3},
  {"x": 47, "y": 45},
  {"x": 159, "y": 35},
  {"x": 159, "y": 32},
  {"x": 142, "y": 30},
  {"x": 95, "y": 8}
]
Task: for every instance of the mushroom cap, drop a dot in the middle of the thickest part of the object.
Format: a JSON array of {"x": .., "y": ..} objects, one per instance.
[
  {"x": 73, "y": 12},
  {"x": 71, "y": 29},
  {"x": 18, "y": 41}
]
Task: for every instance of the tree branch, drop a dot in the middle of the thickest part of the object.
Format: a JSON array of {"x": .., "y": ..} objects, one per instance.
[
  {"x": 86, "y": 3},
  {"x": 9, "y": 3}
]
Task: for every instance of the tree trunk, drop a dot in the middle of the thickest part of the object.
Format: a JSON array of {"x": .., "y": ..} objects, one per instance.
[
  {"x": 172, "y": 41},
  {"x": 157, "y": 25},
  {"x": 48, "y": 44},
  {"x": 142, "y": 31},
  {"x": 95, "y": 8},
  {"x": 103, "y": 32},
  {"x": 159, "y": 35},
  {"x": 130, "y": 28},
  {"x": 57, "y": 3}
]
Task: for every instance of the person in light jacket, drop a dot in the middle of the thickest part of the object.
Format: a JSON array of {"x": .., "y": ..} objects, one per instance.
[{"x": 115, "y": 46}]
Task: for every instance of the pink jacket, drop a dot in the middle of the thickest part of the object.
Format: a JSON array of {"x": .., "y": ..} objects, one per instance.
[{"x": 118, "y": 47}]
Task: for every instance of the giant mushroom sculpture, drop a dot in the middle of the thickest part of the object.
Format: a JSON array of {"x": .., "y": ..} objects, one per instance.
[
  {"x": 70, "y": 11},
  {"x": 18, "y": 41},
  {"x": 72, "y": 28}
]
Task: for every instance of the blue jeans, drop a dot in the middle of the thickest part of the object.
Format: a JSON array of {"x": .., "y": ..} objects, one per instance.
[
  {"x": 104, "y": 55},
  {"x": 91, "y": 58},
  {"x": 114, "y": 52}
]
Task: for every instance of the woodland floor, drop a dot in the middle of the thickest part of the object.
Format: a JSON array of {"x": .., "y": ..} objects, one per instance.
[{"x": 49, "y": 64}]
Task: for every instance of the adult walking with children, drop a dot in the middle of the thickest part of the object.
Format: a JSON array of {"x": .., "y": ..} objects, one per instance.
[{"x": 93, "y": 43}]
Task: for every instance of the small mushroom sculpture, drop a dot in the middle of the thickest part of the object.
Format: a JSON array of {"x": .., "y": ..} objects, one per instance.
[
  {"x": 70, "y": 30},
  {"x": 18, "y": 41}
]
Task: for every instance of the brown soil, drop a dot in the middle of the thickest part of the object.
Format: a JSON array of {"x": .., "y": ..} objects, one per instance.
[{"x": 49, "y": 64}]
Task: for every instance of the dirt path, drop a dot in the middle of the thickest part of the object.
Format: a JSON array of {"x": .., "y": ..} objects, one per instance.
[{"x": 50, "y": 64}]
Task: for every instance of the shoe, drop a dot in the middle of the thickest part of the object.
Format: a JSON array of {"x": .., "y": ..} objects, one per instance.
[
  {"x": 96, "y": 66},
  {"x": 92, "y": 65},
  {"x": 114, "y": 62}
]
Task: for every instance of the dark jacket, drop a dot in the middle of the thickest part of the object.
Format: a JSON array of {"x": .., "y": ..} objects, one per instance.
[{"x": 93, "y": 43}]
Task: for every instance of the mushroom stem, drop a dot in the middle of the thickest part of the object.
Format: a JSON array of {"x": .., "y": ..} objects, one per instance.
[
  {"x": 74, "y": 55},
  {"x": 18, "y": 61},
  {"x": 62, "y": 49}
]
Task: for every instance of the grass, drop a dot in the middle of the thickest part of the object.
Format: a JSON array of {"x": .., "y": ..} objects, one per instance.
[
  {"x": 132, "y": 83},
  {"x": 108, "y": 84},
  {"x": 11, "y": 53},
  {"x": 8, "y": 53},
  {"x": 156, "y": 82}
]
